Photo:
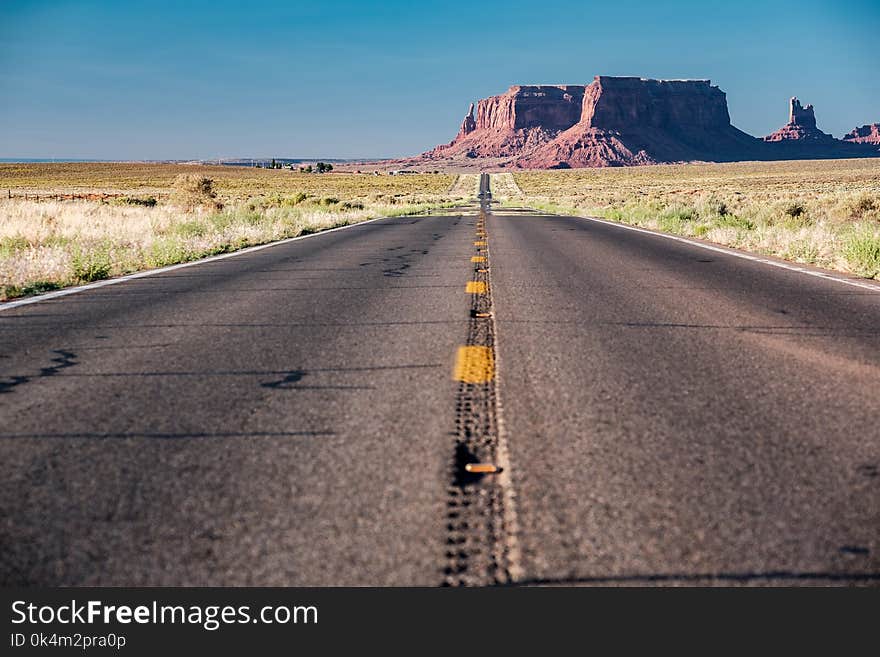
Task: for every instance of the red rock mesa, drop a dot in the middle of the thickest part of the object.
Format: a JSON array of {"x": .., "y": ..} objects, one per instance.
[{"x": 622, "y": 121}]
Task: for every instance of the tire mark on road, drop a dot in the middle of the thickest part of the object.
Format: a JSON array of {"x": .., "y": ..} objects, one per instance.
[{"x": 481, "y": 545}]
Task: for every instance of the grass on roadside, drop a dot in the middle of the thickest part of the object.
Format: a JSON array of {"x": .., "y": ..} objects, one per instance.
[
  {"x": 45, "y": 245},
  {"x": 824, "y": 213}
]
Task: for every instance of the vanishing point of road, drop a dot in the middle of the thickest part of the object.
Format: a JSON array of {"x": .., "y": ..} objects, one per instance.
[{"x": 484, "y": 397}]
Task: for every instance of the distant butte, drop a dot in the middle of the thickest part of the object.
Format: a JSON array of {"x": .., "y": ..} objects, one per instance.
[
  {"x": 867, "y": 134},
  {"x": 801, "y": 125},
  {"x": 625, "y": 121}
]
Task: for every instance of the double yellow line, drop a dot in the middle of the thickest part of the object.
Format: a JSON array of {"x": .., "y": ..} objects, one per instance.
[{"x": 473, "y": 363}]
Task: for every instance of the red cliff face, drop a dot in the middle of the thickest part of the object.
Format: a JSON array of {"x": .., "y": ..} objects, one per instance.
[
  {"x": 867, "y": 134},
  {"x": 628, "y": 121},
  {"x": 801, "y": 125},
  {"x": 519, "y": 120},
  {"x": 625, "y": 104},
  {"x": 621, "y": 121},
  {"x": 550, "y": 107}
]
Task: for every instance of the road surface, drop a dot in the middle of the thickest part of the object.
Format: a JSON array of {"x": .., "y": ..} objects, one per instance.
[{"x": 650, "y": 412}]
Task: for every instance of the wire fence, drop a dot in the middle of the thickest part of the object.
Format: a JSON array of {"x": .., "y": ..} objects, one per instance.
[{"x": 58, "y": 196}]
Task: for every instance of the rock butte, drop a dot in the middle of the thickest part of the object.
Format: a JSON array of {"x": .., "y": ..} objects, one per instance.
[
  {"x": 867, "y": 134},
  {"x": 622, "y": 121},
  {"x": 801, "y": 125}
]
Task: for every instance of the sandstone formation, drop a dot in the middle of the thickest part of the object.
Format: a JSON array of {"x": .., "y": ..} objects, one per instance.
[
  {"x": 801, "y": 125},
  {"x": 549, "y": 107},
  {"x": 516, "y": 121},
  {"x": 628, "y": 121},
  {"x": 468, "y": 125},
  {"x": 867, "y": 134},
  {"x": 622, "y": 121}
]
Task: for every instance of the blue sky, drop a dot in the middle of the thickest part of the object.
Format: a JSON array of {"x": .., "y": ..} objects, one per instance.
[{"x": 157, "y": 80}]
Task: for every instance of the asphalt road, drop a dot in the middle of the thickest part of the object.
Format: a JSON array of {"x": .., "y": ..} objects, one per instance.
[{"x": 660, "y": 413}]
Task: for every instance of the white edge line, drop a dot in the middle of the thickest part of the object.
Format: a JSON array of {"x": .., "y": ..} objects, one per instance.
[
  {"x": 865, "y": 285},
  {"x": 8, "y": 305},
  {"x": 502, "y": 455}
]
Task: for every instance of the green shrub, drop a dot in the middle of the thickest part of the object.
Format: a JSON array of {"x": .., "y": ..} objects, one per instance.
[
  {"x": 220, "y": 221},
  {"x": 271, "y": 201},
  {"x": 35, "y": 287},
  {"x": 674, "y": 218},
  {"x": 167, "y": 251},
  {"x": 733, "y": 221},
  {"x": 39, "y": 287},
  {"x": 278, "y": 201},
  {"x": 251, "y": 218},
  {"x": 57, "y": 241},
  {"x": 680, "y": 213},
  {"x": 11, "y": 244},
  {"x": 802, "y": 251},
  {"x": 862, "y": 253},
  {"x": 145, "y": 201},
  {"x": 226, "y": 247},
  {"x": 796, "y": 223},
  {"x": 294, "y": 200},
  {"x": 190, "y": 229},
  {"x": 91, "y": 264},
  {"x": 713, "y": 207}
]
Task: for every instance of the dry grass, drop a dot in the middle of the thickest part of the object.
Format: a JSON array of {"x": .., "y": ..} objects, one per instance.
[
  {"x": 503, "y": 186},
  {"x": 466, "y": 185},
  {"x": 825, "y": 213},
  {"x": 230, "y": 183},
  {"x": 49, "y": 244}
]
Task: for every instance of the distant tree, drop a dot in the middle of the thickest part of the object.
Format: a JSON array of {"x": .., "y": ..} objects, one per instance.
[
  {"x": 308, "y": 169},
  {"x": 272, "y": 166}
]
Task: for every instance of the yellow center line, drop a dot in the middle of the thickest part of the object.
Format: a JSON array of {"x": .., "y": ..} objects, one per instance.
[
  {"x": 475, "y": 287},
  {"x": 478, "y": 258},
  {"x": 480, "y": 243},
  {"x": 474, "y": 365}
]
